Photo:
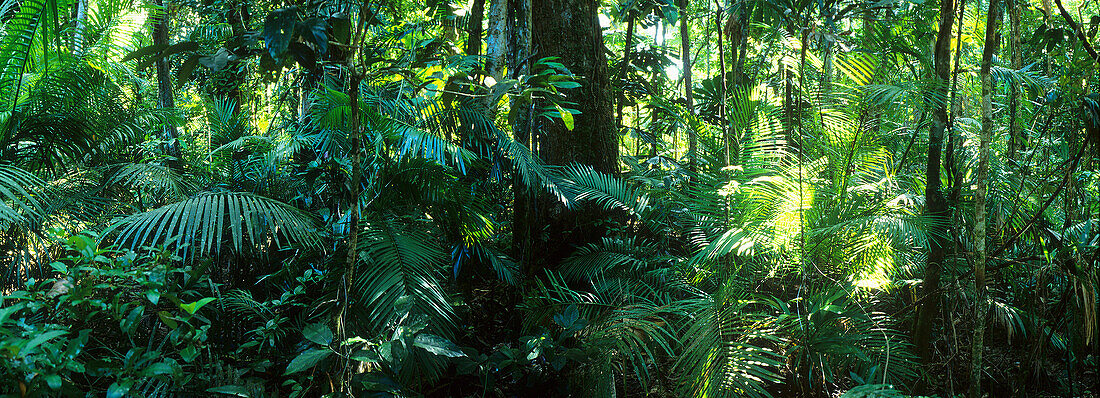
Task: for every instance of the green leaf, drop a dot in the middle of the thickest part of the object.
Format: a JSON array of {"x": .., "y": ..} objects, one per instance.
[
  {"x": 168, "y": 319},
  {"x": 145, "y": 51},
  {"x": 307, "y": 359},
  {"x": 39, "y": 339},
  {"x": 318, "y": 333},
  {"x": 153, "y": 295},
  {"x": 566, "y": 117},
  {"x": 314, "y": 30},
  {"x": 53, "y": 381},
  {"x": 233, "y": 390},
  {"x": 189, "y": 353},
  {"x": 192, "y": 308},
  {"x": 278, "y": 30},
  {"x": 117, "y": 390},
  {"x": 438, "y": 345},
  {"x": 160, "y": 368}
]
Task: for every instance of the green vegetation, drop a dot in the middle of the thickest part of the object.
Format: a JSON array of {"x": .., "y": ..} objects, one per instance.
[{"x": 520, "y": 198}]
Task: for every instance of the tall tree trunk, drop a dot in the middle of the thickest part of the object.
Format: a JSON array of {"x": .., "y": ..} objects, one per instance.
[
  {"x": 522, "y": 110},
  {"x": 165, "y": 93},
  {"x": 685, "y": 56},
  {"x": 237, "y": 17},
  {"x": 992, "y": 43},
  {"x": 725, "y": 89},
  {"x": 78, "y": 27},
  {"x": 935, "y": 207},
  {"x": 496, "y": 43},
  {"x": 624, "y": 69},
  {"x": 474, "y": 29},
  {"x": 954, "y": 140},
  {"x": 1015, "y": 139},
  {"x": 571, "y": 29}
]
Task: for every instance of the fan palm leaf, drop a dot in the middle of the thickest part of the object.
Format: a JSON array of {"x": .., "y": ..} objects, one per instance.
[{"x": 205, "y": 223}]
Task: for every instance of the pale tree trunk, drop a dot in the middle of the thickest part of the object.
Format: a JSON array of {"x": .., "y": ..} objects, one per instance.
[
  {"x": 685, "y": 50},
  {"x": 78, "y": 27},
  {"x": 992, "y": 43},
  {"x": 722, "y": 78},
  {"x": 496, "y": 44}
]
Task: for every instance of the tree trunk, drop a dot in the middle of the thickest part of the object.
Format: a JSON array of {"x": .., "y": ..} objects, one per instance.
[
  {"x": 474, "y": 29},
  {"x": 992, "y": 42},
  {"x": 571, "y": 29},
  {"x": 237, "y": 17},
  {"x": 165, "y": 93},
  {"x": 496, "y": 44},
  {"x": 624, "y": 69},
  {"x": 78, "y": 27},
  {"x": 935, "y": 208},
  {"x": 685, "y": 56},
  {"x": 1015, "y": 138},
  {"x": 524, "y": 201},
  {"x": 722, "y": 78}
]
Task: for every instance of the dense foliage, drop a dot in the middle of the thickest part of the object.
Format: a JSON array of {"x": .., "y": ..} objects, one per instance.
[{"x": 505, "y": 198}]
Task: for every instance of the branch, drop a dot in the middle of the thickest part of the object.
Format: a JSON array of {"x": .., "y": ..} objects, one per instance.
[{"x": 1077, "y": 29}]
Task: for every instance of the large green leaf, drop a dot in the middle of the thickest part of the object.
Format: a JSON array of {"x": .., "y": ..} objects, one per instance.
[
  {"x": 208, "y": 222},
  {"x": 307, "y": 359}
]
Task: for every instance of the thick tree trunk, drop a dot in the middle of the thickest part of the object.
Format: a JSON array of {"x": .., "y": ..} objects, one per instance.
[
  {"x": 992, "y": 42},
  {"x": 935, "y": 208},
  {"x": 496, "y": 43},
  {"x": 165, "y": 93},
  {"x": 524, "y": 200},
  {"x": 571, "y": 29},
  {"x": 685, "y": 56}
]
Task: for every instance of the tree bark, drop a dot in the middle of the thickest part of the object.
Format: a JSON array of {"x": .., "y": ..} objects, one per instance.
[
  {"x": 165, "y": 93},
  {"x": 78, "y": 27},
  {"x": 992, "y": 43},
  {"x": 935, "y": 208},
  {"x": 722, "y": 78},
  {"x": 1015, "y": 139},
  {"x": 624, "y": 69},
  {"x": 524, "y": 201},
  {"x": 474, "y": 29},
  {"x": 497, "y": 40},
  {"x": 571, "y": 30},
  {"x": 685, "y": 56}
]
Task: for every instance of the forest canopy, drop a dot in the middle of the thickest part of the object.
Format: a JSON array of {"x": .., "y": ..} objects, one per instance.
[{"x": 521, "y": 198}]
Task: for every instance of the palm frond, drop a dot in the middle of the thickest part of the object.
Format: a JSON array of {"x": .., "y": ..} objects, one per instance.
[
  {"x": 399, "y": 273},
  {"x": 209, "y": 222}
]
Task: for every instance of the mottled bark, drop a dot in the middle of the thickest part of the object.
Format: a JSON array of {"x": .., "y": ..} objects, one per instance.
[
  {"x": 992, "y": 43},
  {"x": 1015, "y": 138}
]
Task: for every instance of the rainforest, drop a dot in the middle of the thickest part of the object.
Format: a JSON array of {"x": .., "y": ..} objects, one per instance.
[{"x": 549, "y": 198}]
